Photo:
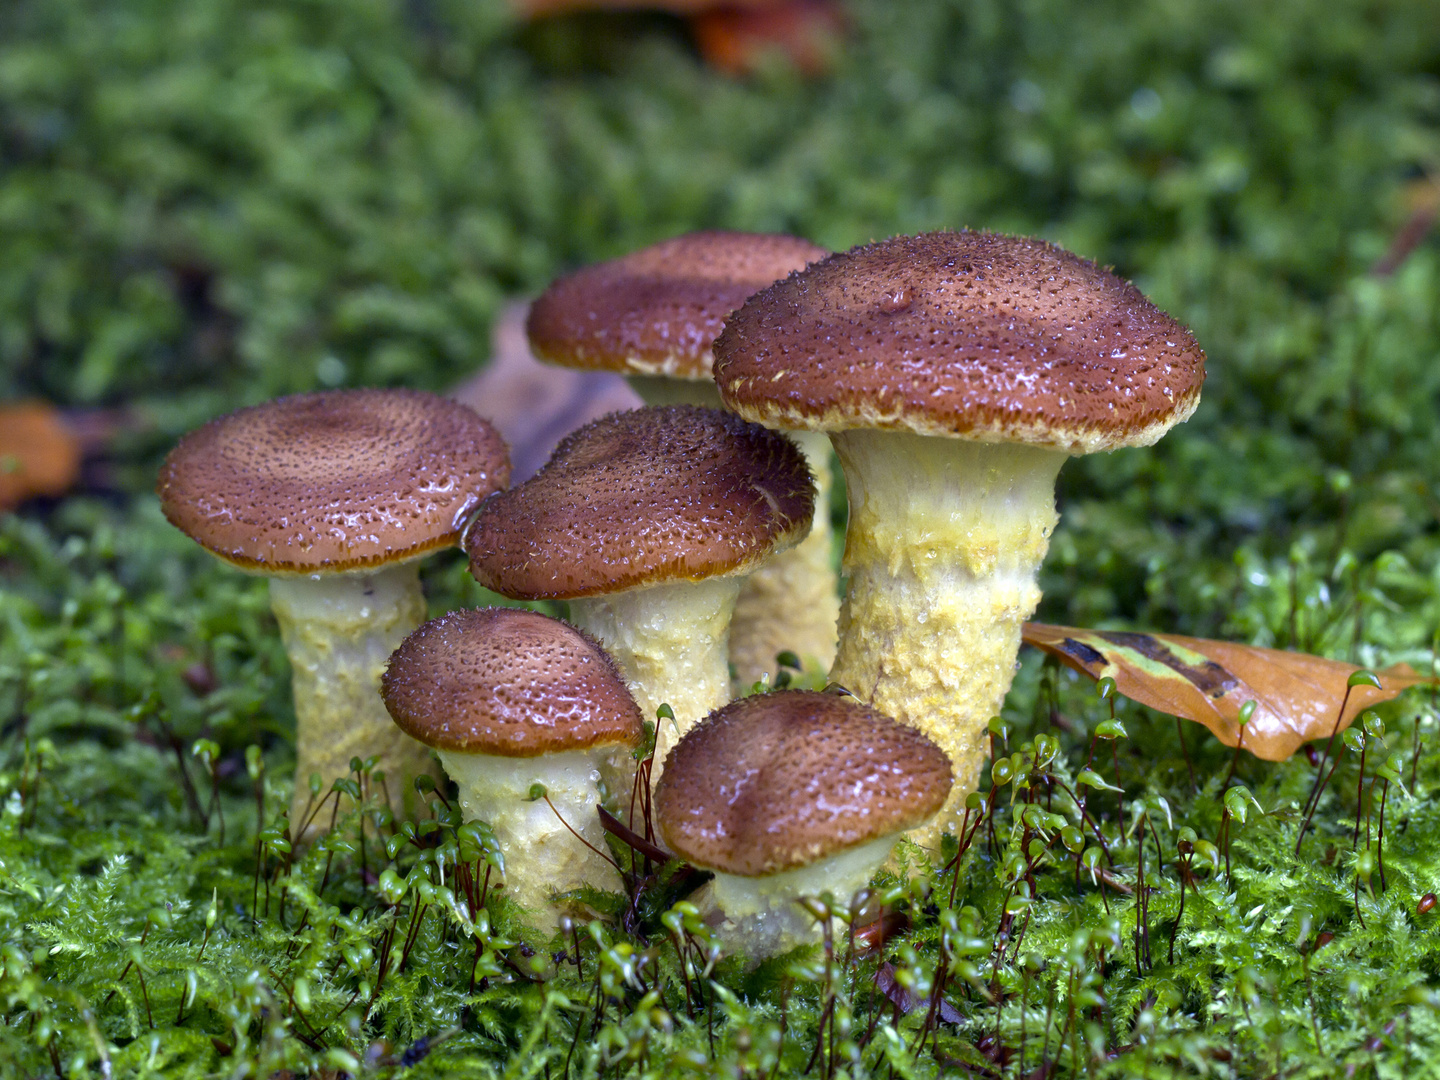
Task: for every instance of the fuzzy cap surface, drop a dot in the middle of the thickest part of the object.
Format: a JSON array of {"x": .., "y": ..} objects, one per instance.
[
  {"x": 334, "y": 481},
  {"x": 974, "y": 335},
  {"x": 780, "y": 780},
  {"x": 510, "y": 683}
]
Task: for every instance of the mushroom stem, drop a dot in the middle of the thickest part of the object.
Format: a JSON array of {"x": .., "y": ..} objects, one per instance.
[
  {"x": 761, "y": 915},
  {"x": 943, "y": 550},
  {"x": 671, "y": 642},
  {"x": 542, "y": 856},
  {"x": 790, "y": 602},
  {"x": 339, "y": 630}
]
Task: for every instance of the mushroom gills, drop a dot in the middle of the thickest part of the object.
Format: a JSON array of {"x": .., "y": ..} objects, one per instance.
[
  {"x": 671, "y": 642},
  {"x": 943, "y": 550},
  {"x": 761, "y": 916},
  {"x": 339, "y": 630},
  {"x": 542, "y": 856}
]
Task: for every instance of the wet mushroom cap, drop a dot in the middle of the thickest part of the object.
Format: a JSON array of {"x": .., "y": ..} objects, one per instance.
[
  {"x": 508, "y": 683},
  {"x": 779, "y": 780},
  {"x": 971, "y": 334},
  {"x": 656, "y": 311},
  {"x": 337, "y": 480},
  {"x": 640, "y": 498}
]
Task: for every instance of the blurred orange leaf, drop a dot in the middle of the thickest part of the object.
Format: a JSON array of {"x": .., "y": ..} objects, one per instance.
[
  {"x": 1297, "y": 696},
  {"x": 39, "y": 455}
]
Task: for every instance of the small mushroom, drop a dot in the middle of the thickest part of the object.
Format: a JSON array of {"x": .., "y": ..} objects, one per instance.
[
  {"x": 334, "y": 496},
  {"x": 788, "y": 795},
  {"x": 652, "y": 316},
  {"x": 530, "y": 718},
  {"x": 647, "y": 522},
  {"x": 955, "y": 372}
]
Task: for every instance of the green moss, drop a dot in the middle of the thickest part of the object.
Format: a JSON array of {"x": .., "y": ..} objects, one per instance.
[{"x": 213, "y": 202}]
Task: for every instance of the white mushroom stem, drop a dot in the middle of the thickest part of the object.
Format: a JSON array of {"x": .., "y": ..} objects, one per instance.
[
  {"x": 339, "y": 631},
  {"x": 671, "y": 642},
  {"x": 790, "y": 602},
  {"x": 943, "y": 550},
  {"x": 542, "y": 856},
  {"x": 761, "y": 916}
]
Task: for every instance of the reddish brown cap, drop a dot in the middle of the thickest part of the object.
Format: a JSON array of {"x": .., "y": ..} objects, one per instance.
[
  {"x": 642, "y": 497},
  {"x": 968, "y": 334},
  {"x": 779, "y": 780},
  {"x": 510, "y": 683},
  {"x": 657, "y": 310},
  {"x": 334, "y": 481}
]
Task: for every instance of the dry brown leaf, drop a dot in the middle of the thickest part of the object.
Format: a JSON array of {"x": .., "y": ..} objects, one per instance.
[{"x": 1297, "y": 696}]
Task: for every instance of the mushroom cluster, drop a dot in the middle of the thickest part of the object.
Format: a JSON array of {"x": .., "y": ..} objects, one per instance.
[{"x": 954, "y": 372}]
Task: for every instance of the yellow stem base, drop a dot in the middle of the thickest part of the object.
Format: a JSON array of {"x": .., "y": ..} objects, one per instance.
[{"x": 945, "y": 541}]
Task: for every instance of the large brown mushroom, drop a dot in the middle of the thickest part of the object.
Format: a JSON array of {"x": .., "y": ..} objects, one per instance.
[
  {"x": 788, "y": 795},
  {"x": 955, "y": 372},
  {"x": 531, "y": 719},
  {"x": 647, "y": 522},
  {"x": 334, "y": 496},
  {"x": 652, "y": 316}
]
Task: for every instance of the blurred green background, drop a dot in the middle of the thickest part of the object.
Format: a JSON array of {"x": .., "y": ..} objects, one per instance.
[{"x": 209, "y": 203}]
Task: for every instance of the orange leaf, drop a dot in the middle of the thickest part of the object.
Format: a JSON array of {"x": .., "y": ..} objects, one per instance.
[
  {"x": 1297, "y": 696},
  {"x": 39, "y": 455}
]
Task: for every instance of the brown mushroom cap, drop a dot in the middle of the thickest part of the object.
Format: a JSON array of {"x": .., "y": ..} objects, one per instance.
[
  {"x": 969, "y": 334},
  {"x": 656, "y": 311},
  {"x": 338, "y": 480},
  {"x": 643, "y": 497},
  {"x": 510, "y": 683},
  {"x": 779, "y": 780}
]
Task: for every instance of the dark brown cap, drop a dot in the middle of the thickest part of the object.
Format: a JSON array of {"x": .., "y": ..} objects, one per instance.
[
  {"x": 967, "y": 334},
  {"x": 510, "y": 683},
  {"x": 334, "y": 481},
  {"x": 657, "y": 310},
  {"x": 643, "y": 497},
  {"x": 779, "y": 780}
]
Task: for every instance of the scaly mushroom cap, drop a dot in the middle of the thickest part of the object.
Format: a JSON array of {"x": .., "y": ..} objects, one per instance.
[
  {"x": 643, "y": 497},
  {"x": 334, "y": 481},
  {"x": 509, "y": 683},
  {"x": 656, "y": 311},
  {"x": 779, "y": 780},
  {"x": 968, "y": 334}
]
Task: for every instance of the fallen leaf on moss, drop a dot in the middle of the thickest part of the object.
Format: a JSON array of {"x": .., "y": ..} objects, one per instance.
[
  {"x": 737, "y": 39},
  {"x": 39, "y": 455},
  {"x": 1297, "y": 696}
]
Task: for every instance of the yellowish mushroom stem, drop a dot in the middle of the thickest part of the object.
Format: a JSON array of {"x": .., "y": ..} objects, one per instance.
[
  {"x": 761, "y": 916},
  {"x": 339, "y": 631},
  {"x": 943, "y": 550},
  {"x": 542, "y": 856},
  {"x": 671, "y": 642},
  {"x": 791, "y": 602}
]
